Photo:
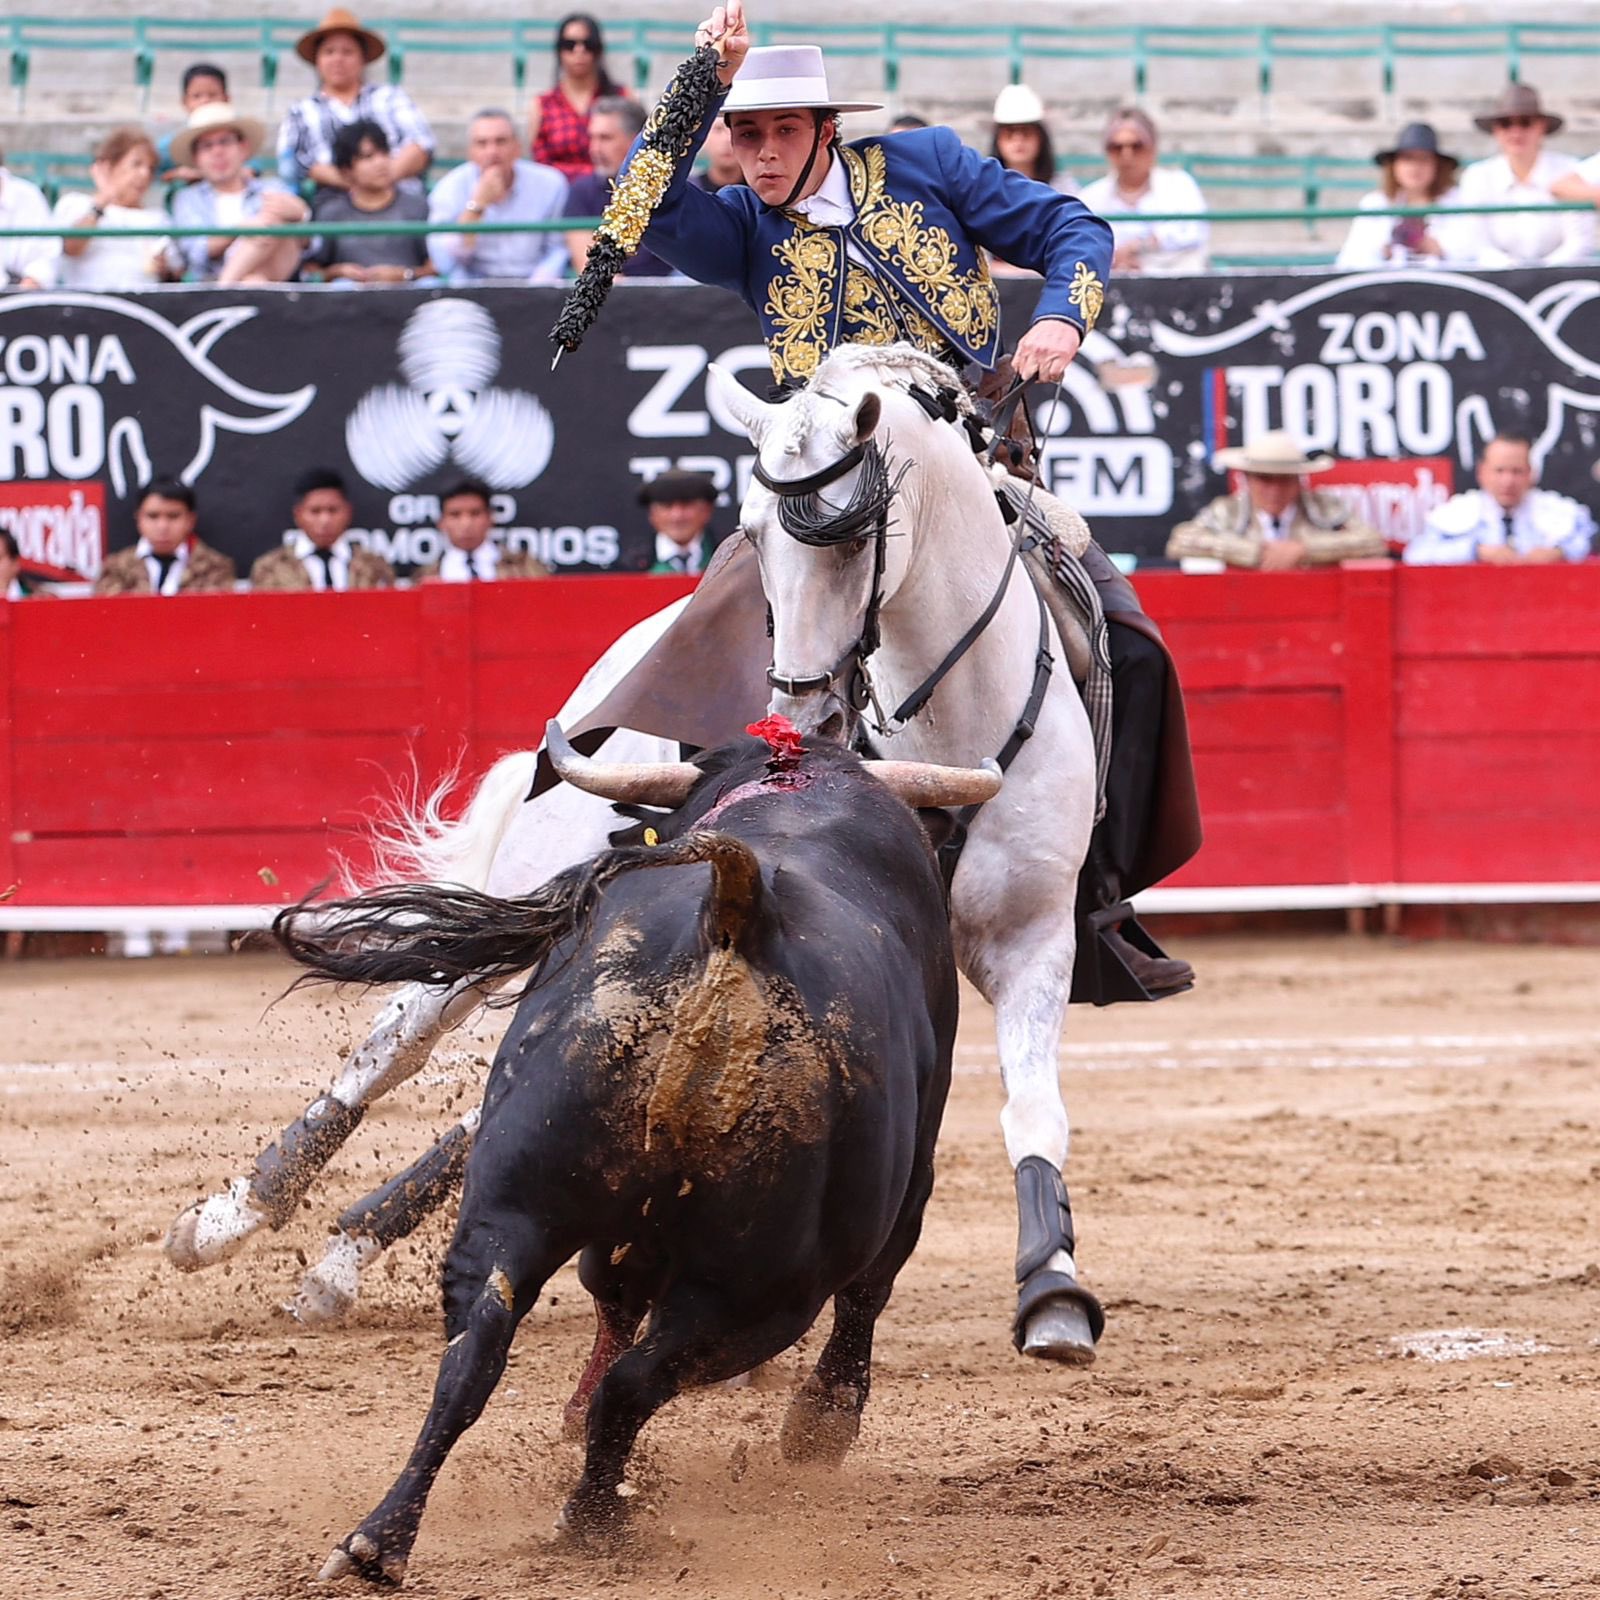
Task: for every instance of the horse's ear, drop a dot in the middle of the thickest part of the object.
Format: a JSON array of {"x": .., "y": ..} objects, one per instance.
[
  {"x": 734, "y": 406},
  {"x": 863, "y": 422}
]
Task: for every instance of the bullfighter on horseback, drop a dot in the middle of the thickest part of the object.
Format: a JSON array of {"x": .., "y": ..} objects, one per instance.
[{"x": 883, "y": 240}]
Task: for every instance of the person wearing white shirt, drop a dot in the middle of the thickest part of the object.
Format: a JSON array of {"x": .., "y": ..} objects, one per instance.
[
  {"x": 320, "y": 554},
  {"x": 1137, "y": 185},
  {"x": 466, "y": 519},
  {"x": 1525, "y": 174},
  {"x": 124, "y": 165},
  {"x": 1582, "y": 183},
  {"x": 25, "y": 263},
  {"x": 1506, "y": 520},
  {"x": 493, "y": 185},
  {"x": 1416, "y": 172},
  {"x": 679, "y": 505}
]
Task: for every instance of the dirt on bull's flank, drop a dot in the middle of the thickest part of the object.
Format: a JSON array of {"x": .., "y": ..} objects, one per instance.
[{"x": 1339, "y": 1203}]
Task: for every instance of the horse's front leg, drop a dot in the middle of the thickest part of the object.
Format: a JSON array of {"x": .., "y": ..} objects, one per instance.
[
  {"x": 403, "y": 1037},
  {"x": 1024, "y": 969}
]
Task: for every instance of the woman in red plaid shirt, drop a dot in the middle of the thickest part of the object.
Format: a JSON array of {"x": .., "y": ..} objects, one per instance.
[{"x": 558, "y": 121}]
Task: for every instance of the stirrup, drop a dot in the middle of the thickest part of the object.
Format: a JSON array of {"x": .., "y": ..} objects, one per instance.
[{"x": 1100, "y": 976}]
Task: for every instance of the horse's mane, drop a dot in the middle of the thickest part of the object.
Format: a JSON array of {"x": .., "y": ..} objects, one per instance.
[{"x": 899, "y": 366}]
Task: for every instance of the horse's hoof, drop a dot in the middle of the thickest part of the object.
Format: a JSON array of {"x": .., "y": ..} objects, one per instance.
[
  {"x": 360, "y": 1557},
  {"x": 212, "y": 1229},
  {"x": 330, "y": 1288},
  {"x": 1059, "y": 1331}
]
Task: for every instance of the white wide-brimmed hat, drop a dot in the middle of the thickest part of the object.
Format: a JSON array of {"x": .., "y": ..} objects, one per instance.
[
  {"x": 787, "y": 77},
  {"x": 211, "y": 118},
  {"x": 1017, "y": 106},
  {"x": 1274, "y": 454}
]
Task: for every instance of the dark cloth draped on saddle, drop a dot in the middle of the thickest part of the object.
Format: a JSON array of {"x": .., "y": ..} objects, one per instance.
[{"x": 704, "y": 680}]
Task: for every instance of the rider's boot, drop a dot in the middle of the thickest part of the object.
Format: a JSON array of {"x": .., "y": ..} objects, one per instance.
[{"x": 1119, "y": 932}]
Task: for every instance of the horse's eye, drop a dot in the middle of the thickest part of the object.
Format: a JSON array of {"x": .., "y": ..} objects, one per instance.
[{"x": 858, "y": 545}]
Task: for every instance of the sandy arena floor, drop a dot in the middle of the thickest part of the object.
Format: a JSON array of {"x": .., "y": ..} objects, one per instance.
[{"x": 1287, "y": 1185}]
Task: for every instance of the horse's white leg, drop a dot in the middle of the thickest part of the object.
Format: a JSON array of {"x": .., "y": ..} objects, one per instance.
[
  {"x": 397, "y": 1047},
  {"x": 1022, "y": 964}
]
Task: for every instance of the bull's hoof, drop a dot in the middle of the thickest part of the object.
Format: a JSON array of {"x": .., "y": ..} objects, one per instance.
[
  {"x": 1057, "y": 1319},
  {"x": 212, "y": 1229},
  {"x": 359, "y": 1556},
  {"x": 822, "y": 1422},
  {"x": 329, "y": 1289},
  {"x": 593, "y": 1521}
]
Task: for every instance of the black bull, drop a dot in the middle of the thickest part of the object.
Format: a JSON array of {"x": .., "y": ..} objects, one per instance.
[{"x": 723, "y": 1085}]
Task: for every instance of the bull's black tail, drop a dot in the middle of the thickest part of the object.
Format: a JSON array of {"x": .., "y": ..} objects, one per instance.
[{"x": 442, "y": 936}]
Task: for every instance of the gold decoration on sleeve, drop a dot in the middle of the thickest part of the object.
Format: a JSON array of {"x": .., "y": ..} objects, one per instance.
[
  {"x": 1087, "y": 293},
  {"x": 636, "y": 196}
]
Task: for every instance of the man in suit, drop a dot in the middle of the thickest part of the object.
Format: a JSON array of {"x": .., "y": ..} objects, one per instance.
[
  {"x": 319, "y": 554},
  {"x": 679, "y": 505},
  {"x": 169, "y": 557},
  {"x": 466, "y": 519}
]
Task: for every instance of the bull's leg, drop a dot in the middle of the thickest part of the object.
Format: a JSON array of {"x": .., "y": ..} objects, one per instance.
[
  {"x": 406, "y": 1031},
  {"x": 381, "y": 1219},
  {"x": 617, "y": 1317},
  {"x": 693, "y": 1339},
  {"x": 495, "y": 1273},
  {"x": 824, "y": 1416}
]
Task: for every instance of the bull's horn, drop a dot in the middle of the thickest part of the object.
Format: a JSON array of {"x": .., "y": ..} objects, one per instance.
[
  {"x": 644, "y": 783},
  {"x": 920, "y": 783}
]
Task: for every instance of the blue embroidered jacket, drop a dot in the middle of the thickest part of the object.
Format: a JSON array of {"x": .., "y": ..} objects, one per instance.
[{"x": 926, "y": 207}]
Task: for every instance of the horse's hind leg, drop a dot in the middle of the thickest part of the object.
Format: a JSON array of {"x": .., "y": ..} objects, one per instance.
[
  {"x": 407, "y": 1028},
  {"x": 381, "y": 1219}
]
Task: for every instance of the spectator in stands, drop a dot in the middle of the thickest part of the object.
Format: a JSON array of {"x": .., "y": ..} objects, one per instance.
[
  {"x": 467, "y": 522},
  {"x": 202, "y": 84},
  {"x": 361, "y": 150},
  {"x": 25, "y": 263},
  {"x": 1278, "y": 521},
  {"x": 219, "y": 142},
  {"x": 1505, "y": 521},
  {"x": 319, "y": 554},
  {"x": 1136, "y": 184},
  {"x": 124, "y": 165},
  {"x": 1416, "y": 172},
  {"x": 614, "y": 123},
  {"x": 722, "y": 165},
  {"x": 558, "y": 120},
  {"x": 341, "y": 50},
  {"x": 1020, "y": 140},
  {"x": 169, "y": 557},
  {"x": 907, "y": 122},
  {"x": 679, "y": 505},
  {"x": 15, "y": 584},
  {"x": 1524, "y": 173},
  {"x": 493, "y": 185},
  {"x": 1582, "y": 183}
]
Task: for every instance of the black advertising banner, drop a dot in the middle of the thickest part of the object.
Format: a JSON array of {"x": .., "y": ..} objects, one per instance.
[{"x": 1402, "y": 375}]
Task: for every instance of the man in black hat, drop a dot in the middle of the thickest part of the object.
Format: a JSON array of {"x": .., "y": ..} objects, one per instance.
[{"x": 679, "y": 505}]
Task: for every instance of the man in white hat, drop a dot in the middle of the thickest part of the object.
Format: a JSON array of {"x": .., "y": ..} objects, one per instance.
[
  {"x": 1277, "y": 521},
  {"x": 219, "y": 142},
  {"x": 874, "y": 241}
]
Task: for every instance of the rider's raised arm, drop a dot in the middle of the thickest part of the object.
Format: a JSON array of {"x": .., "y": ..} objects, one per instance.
[{"x": 1030, "y": 225}]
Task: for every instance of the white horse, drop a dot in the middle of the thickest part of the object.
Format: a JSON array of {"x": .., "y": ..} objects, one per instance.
[{"x": 918, "y": 577}]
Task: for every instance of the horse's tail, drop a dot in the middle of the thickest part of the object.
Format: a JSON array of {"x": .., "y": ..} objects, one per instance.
[
  {"x": 414, "y": 842},
  {"x": 439, "y": 936}
]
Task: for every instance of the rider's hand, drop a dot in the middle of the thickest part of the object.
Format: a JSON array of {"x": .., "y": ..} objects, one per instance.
[
  {"x": 1046, "y": 350},
  {"x": 725, "y": 28}
]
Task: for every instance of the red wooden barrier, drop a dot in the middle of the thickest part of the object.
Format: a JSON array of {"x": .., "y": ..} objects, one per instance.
[{"x": 1368, "y": 725}]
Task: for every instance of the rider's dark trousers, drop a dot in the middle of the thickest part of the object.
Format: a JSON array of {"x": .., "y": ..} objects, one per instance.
[{"x": 1138, "y": 701}]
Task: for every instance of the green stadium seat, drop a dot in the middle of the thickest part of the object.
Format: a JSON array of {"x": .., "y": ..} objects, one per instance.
[
  {"x": 29, "y": 37},
  {"x": 505, "y": 41}
]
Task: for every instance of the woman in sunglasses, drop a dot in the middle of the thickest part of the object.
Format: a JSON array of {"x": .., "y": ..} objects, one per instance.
[
  {"x": 1135, "y": 185},
  {"x": 558, "y": 120},
  {"x": 1523, "y": 173}
]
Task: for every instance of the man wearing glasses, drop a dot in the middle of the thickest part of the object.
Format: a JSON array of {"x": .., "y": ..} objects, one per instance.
[{"x": 1135, "y": 185}]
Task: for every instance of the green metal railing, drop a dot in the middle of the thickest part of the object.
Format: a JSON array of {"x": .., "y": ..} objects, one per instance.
[{"x": 524, "y": 46}]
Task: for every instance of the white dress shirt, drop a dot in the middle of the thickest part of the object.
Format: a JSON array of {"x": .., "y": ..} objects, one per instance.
[
  {"x": 681, "y": 559},
  {"x": 1371, "y": 243},
  {"x": 339, "y": 561},
  {"x": 1280, "y": 526},
  {"x": 23, "y": 205},
  {"x": 15, "y": 591},
  {"x": 1544, "y": 519},
  {"x": 469, "y": 566},
  {"x": 1164, "y": 246},
  {"x": 110, "y": 262},
  {"x": 167, "y": 584},
  {"x": 1534, "y": 237}
]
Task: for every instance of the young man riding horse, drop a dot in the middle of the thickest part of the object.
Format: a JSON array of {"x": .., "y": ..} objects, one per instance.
[{"x": 882, "y": 241}]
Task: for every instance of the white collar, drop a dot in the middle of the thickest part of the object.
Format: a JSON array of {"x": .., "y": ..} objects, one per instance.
[
  {"x": 454, "y": 565},
  {"x": 669, "y": 550},
  {"x": 302, "y": 546},
  {"x": 174, "y": 573},
  {"x": 832, "y": 206}
]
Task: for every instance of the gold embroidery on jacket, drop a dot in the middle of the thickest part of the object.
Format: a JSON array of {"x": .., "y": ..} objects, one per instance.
[
  {"x": 800, "y": 302},
  {"x": 867, "y": 316},
  {"x": 1087, "y": 293}
]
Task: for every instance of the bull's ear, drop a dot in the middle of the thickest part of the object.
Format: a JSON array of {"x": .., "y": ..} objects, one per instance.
[{"x": 734, "y": 406}]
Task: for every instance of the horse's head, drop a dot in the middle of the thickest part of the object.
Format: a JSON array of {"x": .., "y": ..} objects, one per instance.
[{"x": 819, "y": 513}]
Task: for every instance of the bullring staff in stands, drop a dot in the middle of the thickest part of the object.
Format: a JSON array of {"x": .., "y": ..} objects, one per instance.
[{"x": 882, "y": 240}]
